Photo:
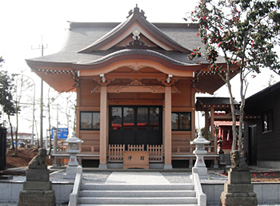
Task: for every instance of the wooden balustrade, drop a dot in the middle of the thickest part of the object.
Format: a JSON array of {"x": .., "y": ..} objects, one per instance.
[
  {"x": 115, "y": 152},
  {"x": 135, "y": 147},
  {"x": 155, "y": 153}
]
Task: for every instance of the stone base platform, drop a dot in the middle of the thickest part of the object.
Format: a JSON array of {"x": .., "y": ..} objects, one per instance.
[
  {"x": 35, "y": 198},
  {"x": 241, "y": 199},
  {"x": 239, "y": 190}
]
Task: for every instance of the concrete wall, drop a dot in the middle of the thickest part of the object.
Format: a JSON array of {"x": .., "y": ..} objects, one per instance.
[
  {"x": 213, "y": 192},
  {"x": 10, "y": 191},
  {"x": 269, "y": 164},
  {"x": 267, "y": 193}
]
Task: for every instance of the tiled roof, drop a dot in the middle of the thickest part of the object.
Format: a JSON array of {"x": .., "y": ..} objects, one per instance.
[
  {"x": 84, "y": 35},
  {"x": 215, "y": 101},
  {"x": 263, "y": 92}
]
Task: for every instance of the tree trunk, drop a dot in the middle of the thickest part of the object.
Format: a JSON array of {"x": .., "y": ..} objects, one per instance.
[
  {"x": 66, "y": 112},
  {"x": 12, "y": 133},
  {"x": 242, "y": 106},
  {"x": 241, "y": 116},
  {"x": 16, "y": 132},
  {"x": 233, "y": 147}
]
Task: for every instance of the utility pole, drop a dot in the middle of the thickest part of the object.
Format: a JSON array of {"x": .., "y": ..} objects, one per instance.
[{"x": 42, "y": 47}]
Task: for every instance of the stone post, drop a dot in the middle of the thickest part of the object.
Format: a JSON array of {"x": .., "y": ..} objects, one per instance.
[
  {"x": 238, "y": 190},
  {"x": 199, "y": 152},
  {"x": 37, "y": 189}
]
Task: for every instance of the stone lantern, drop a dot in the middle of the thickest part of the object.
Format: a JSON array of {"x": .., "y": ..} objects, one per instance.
[
  {"x": 73, "y": 150},
  {"x": 220, "y": 142},
  {"x": 200, "y": 167}
]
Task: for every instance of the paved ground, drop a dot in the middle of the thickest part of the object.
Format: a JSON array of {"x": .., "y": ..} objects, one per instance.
[{"x": 139, "y": 178}]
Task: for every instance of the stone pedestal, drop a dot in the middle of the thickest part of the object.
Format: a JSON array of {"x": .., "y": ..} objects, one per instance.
[
  {"x": 35, "y": 198},
  {"x": 37, "y": 190},
  {"x": 71, "y": 172},
  {"x": 239, "y": 190}
]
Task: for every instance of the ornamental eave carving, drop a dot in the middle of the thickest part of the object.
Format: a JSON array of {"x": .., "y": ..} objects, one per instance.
[{"x": 135, "y": 89}]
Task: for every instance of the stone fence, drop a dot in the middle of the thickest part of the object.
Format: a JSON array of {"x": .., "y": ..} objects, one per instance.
[
  {"x": 267, "y": 193},
  {"x": 10, "y": 191}
]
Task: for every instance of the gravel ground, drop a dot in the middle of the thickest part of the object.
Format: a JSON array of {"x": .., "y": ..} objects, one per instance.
[
  {"x": 101, "y": 177},
  {"x": 172, "y": 177},
  {"x": 184, "y": 177}
]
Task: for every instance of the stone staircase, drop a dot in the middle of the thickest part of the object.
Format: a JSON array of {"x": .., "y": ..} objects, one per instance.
[{"x": 137, "y": 194}]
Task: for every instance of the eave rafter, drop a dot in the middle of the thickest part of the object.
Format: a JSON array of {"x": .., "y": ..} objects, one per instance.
[{"x": 63, "y": 80}]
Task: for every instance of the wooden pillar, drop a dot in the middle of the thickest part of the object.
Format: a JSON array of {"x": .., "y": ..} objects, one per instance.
[
  {"x": 103, "y": 128},
  {"x": 167, "y": 129},
  {"x": 193, "y": 135},
  {"x": 206, "y": 124},
  {"x": 212, "y": 124},
  {"x": 193, "y": 113}
]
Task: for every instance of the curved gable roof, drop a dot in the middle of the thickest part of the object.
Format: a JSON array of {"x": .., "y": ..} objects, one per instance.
[{"x": 138, "y": 18}]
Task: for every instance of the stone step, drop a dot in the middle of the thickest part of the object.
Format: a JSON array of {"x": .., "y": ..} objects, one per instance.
[
  {"x": 137, "y": 205},
  {"x": 93, "y": 186},
  {"x": 137, "y": 200},
  {"x": 137, "y": 193}
]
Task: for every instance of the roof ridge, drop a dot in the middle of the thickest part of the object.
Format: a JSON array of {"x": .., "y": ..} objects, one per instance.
[{"x": 132, "y": 18}]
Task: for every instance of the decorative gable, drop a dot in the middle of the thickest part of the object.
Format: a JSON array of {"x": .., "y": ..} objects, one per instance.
[{"x": 136, "y": 30}]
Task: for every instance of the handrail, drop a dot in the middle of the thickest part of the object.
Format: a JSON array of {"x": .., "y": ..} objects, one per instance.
[
  {"x": 74, "y": 196},
  {"x": 201, "y": 197},
  {"x": 78, "y": 155}
]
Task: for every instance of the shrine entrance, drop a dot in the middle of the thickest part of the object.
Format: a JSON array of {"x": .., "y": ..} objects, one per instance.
[{"x": 135, "y": 125}]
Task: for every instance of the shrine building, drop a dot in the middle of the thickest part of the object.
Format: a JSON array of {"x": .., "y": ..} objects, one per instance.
[{"x": 135, "y": 89}]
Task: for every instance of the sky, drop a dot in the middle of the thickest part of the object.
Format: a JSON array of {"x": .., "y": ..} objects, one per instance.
[{"x": 26, "y": 24}]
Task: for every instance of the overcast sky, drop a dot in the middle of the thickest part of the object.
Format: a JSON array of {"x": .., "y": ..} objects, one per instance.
[{"x": 25, "y": 22}]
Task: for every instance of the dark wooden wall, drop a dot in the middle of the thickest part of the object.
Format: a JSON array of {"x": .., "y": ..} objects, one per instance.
[{"x": 268, "y": 143}]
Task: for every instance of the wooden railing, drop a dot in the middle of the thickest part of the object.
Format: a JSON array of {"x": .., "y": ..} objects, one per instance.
[
  {"x": 115, "y": 152},
  {"x": 135, "y": 147},
  {"x": 155, "y": 153},
  {"x": 178, "y": 149}
]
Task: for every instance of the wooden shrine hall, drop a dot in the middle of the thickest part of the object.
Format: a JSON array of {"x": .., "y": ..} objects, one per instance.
[
  {"x": 218, "y": 119},
  {"x": 135, "y": 90}
]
